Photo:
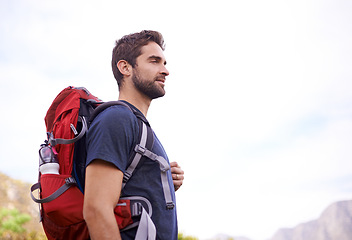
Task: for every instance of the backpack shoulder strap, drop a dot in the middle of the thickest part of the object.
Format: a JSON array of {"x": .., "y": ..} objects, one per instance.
[
  {"x": 106, "y": 105},
  {"x": 142, "y": 149},
  {"x": 145, "y": 138},
  {"x": 145, "y": 141}
]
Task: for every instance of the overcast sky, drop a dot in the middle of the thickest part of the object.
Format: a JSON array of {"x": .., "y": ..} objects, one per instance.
[{"x": 258, "y": 110}]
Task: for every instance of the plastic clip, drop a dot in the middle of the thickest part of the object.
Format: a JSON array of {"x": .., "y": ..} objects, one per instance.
[
  {"x": 139, "y": 149},
  {"x": 126, "y": 176},
  {"x": 170, "y": 205},
  {"x": 70, "y": 181}
]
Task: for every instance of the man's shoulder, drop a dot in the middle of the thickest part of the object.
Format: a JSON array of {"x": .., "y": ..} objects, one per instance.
[
  {"x": 114, "y": 120},
  {"x": 116, "y": 113}
]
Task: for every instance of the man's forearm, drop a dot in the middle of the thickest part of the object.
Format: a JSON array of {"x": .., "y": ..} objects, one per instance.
[
  {"x": 102, "y": 190},
  {"x": 102, "y": 225}
]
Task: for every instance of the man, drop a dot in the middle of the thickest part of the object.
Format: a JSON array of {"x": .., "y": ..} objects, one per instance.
[{"x": 138, "y": 65}]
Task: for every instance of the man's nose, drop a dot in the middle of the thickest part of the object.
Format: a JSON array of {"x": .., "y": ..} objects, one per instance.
[{"x": 165, "y": 72}]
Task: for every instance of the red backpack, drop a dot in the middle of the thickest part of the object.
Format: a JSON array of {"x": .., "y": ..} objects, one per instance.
[{"x": 61, "y": 194}]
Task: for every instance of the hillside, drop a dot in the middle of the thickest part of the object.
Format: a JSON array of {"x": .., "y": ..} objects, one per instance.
[
  {"x": 15, "y": 194},
  {"x": 335, "y": 223}
]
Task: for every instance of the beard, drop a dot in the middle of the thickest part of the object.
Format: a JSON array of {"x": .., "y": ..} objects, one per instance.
[{"x": 151, "y": 89}]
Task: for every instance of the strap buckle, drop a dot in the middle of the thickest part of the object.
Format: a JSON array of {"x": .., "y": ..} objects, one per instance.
[
  {"x": 136, "y": 209},
  {"x": 170, "y": 205},
  {"x": 164, "y": 165},
  {"x": 126, "y": 177},
  {"x": 139, "y": 149},
  {"x": 70, "y": 181}
]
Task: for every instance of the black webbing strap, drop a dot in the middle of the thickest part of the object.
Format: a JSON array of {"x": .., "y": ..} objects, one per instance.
[
  {"x": 69, "y": 182},
  {"x": 106, "y": 105}
]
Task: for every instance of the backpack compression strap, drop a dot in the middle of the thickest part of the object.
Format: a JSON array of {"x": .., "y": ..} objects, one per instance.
[
  {"x": 54, "y": 141},
  {"x": 70, "y": 181}
]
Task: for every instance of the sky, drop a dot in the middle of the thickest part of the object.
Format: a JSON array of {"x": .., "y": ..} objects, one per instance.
[{"x": 258, "y": 105}]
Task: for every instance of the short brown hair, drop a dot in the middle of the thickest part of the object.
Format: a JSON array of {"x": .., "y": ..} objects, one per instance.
[{"x": 128, "y": 48}]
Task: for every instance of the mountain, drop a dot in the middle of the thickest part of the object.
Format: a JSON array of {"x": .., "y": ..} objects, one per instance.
[
  {"x": 335, "y": 223},
  {"x": 15, "y": 194}
]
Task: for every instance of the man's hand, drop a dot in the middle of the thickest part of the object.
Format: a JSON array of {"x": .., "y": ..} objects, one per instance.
[{"x": 177, "y": 175}]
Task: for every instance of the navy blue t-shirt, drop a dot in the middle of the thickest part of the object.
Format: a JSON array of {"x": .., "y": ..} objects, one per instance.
[{"x": 112, "y": 137}]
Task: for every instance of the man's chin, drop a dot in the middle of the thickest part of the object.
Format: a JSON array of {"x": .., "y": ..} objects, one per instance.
[{"x": 159, "y": 95}]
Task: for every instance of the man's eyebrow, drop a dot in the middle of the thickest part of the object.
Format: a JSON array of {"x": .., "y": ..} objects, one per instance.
[{"x": 156, "y": 58}]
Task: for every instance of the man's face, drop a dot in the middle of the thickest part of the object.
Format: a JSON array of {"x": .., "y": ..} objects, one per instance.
[{"x": 150, "y": 72}]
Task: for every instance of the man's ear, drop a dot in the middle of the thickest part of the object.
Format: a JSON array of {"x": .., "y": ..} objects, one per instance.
[{"x": 124, "y": 67}]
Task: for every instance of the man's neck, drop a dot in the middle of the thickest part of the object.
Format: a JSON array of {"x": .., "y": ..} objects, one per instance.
[{"x": 138, "y": 100}]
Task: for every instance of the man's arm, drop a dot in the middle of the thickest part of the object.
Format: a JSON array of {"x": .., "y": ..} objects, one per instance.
[{"x": 102, "y": 192}]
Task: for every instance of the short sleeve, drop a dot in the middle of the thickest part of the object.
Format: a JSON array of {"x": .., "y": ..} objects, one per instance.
[{"x": 111, "y": 136}]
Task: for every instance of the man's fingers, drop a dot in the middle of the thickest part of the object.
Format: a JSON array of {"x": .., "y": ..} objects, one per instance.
[
  {"x": 176, "y": 176},
  {"x": 174, "y": 164}
]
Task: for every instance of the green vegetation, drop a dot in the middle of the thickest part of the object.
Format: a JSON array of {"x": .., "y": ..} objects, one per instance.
[
  {"x": 181, "y": 237},
  {"x": 12, "y": 223},
  {"x": 12, "y": 220},
  {"x": 11, "y": 226}
]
